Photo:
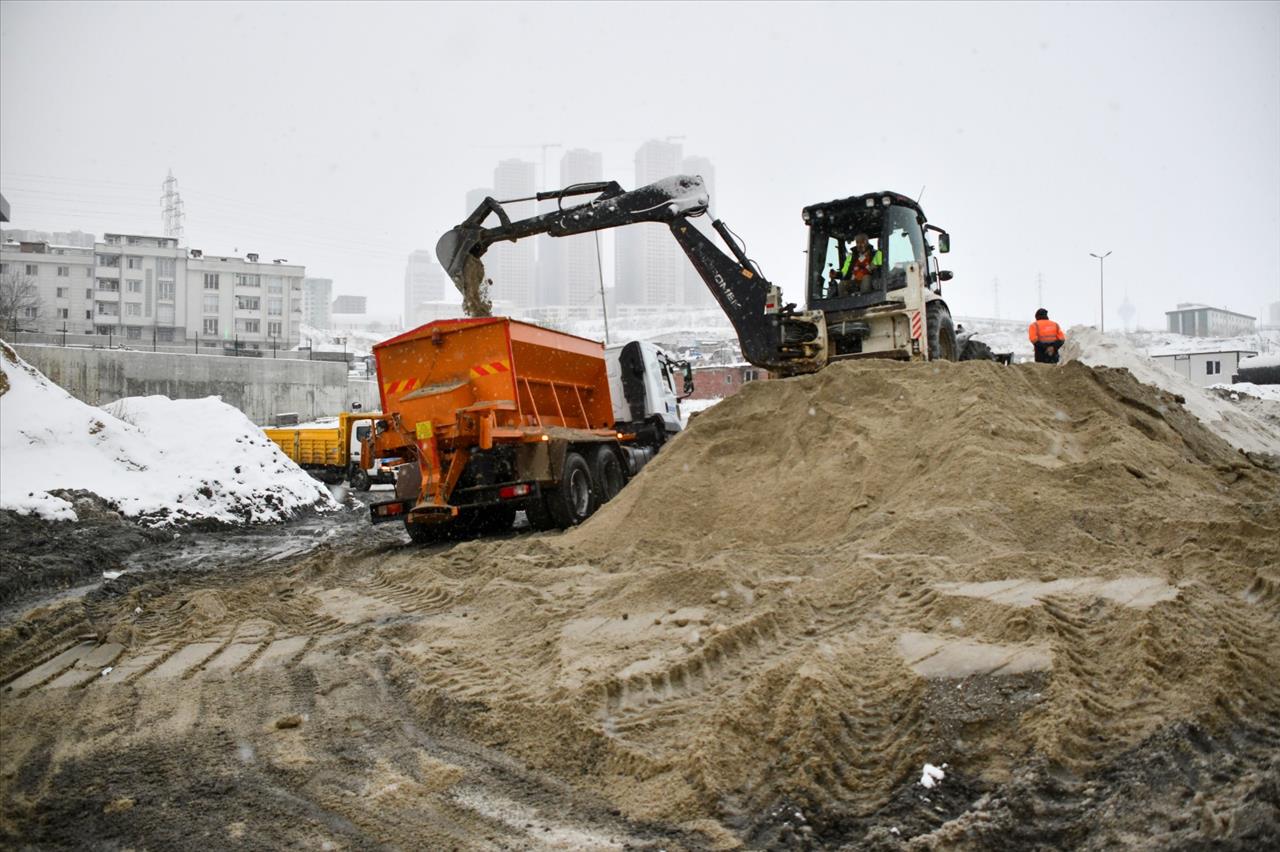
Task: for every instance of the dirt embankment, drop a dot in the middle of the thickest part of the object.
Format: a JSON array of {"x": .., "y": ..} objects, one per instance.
[{"x": 1055, "y": 581}]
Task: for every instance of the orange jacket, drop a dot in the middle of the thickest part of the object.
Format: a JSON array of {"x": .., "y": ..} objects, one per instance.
[{"x": 1045, "y": 331}]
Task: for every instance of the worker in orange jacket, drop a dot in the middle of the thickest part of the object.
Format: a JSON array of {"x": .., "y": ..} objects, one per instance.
[{"x": 1047, "y": 338}]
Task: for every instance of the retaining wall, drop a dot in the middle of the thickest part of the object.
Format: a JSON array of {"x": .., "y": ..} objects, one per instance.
[{"x": 260, "y": 387}]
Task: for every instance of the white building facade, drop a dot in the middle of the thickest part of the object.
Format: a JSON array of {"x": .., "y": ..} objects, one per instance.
[
  {"x": 648, "y": 260},
  {"x": 1204, "y": 368},
  {"x": 64, "y": 286},
  {"x": 240, "y": 302},
  {"x": 512, "y": 266},
  {"x": 1206, "y": 321},
  {"x": 317, "y": 302}
]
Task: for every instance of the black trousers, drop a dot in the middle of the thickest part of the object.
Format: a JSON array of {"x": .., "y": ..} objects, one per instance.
[{"x": 1047, "y": 353}]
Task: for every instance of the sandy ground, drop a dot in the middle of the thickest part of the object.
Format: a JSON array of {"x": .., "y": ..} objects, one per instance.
[{"x": 1053, "y": 581}]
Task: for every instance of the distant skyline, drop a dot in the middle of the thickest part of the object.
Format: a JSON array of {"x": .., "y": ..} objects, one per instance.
[{"x": 1038, "y": 132}]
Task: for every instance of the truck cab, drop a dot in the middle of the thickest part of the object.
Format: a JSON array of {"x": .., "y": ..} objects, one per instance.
[{"x": 642, "y": 384}]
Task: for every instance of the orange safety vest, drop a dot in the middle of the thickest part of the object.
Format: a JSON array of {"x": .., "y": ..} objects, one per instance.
[{"x": 1045, "y": 331}]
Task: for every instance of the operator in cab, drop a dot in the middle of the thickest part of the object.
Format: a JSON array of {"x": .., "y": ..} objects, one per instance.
[
  {"x": 860, "y": 262},
  {"x": 1047, "y": 338}
]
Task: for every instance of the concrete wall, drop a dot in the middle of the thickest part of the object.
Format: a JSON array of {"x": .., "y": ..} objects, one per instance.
[{"x": 260, "y": 387}]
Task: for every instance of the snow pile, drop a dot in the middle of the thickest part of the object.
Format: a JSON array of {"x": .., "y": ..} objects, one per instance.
[
  {"x": 1254, "y": 362},
  {"x": 1267, "y": 392},
  {"x": 153, "y": 458},
  {"x": 1236, "y": 427},
  {"x": 932, "y": 775}
]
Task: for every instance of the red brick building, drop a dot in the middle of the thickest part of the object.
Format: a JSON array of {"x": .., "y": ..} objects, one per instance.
[{"x": 720, "y": 381}]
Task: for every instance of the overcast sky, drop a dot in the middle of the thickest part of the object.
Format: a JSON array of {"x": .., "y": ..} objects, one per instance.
[{"x": 343, "y": 137}]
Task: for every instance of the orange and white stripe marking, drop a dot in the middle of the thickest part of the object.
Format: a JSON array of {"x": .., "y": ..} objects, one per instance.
[
  {"x": 917, "y": 327},
  {"x": 401, "y": 386}
]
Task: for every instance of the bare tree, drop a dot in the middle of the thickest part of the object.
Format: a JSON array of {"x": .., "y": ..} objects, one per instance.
[{"x": 19, "y": 299}]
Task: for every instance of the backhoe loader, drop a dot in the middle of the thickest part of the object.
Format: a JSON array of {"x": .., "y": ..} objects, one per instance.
[{"x": 885, "y": 303}]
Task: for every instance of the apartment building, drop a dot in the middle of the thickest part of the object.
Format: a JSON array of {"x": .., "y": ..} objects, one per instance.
[
  {"x": 243, "y": 301},
  {"x": 64, "y": 285}
]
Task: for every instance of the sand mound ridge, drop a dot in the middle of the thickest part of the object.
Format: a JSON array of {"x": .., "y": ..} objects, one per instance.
[{"x": 831, "y": 579}]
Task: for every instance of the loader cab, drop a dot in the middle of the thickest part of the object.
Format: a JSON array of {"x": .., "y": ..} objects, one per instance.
[{"x": 895, "y": 226}]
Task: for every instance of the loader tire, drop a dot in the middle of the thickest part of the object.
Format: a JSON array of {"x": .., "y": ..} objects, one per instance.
[
  {"x": 359, "y": 478},
  {"x": 606, "y": 474},
  {"x": 573, "y": 499},
  {"x": 941, "y": 332}
]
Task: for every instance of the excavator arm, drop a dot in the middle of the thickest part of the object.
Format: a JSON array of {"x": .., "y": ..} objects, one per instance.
[{"x": 773, "y": 336}]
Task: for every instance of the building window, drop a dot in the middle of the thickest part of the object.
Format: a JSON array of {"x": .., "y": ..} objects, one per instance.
[
  {"x": 88, "y": 272},
  {"x": 4, "y": 267},
  {"x": 109, "y": 285},
  {"x": 210, "y": 303},
  {"x": 728, "y": 378},
  {"x": 275, "y": 307},
  {"x": 107, "y": 309},
  {"x": 111, "y": 261},
  {"x": 164, "y": 335},
  {"x": 247, "y": 280},
  {"x": 33, "y": 269},
  {"x": 134, "y": 286},
  {"x": 165, "y": 267},
  {"x": 62, "y": 292},
  {"x": 104, "y": 330},
  {"x": 273, "y": 329},
  {"x": 88, "y": 315},
  {"x": 134, "y": 332},
  {"x": 133, "y": 241},
  {"x": 274, "y": 285},
  {"x": 248, "y": 303},
  {"x": 133, "y": 262},
  {"x": 133, "y": 309},
  {"x": 248, "y": 326},
  {"x": 166, "y": 291},
  {"x": 30, "y": 313},
  {"x": 1212, "y": 368},
  {"x": 211, "y": 281},
  {"x": 88, "y": 294},
  {"x": 63, "y": 313},
  {"x": 112, "y": 239},
  {"x": 210, "y": 326},
  {"x": 64, "y": 271}
]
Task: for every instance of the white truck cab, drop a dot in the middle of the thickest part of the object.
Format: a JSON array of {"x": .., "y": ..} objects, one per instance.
[{"x": 642, "y": 384}]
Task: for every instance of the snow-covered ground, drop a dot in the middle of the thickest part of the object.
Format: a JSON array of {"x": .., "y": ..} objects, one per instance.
[
  {"x": 1234, "y": 425},
  {"x": 153, "y": 458},
  {"x": 690, "y": 407}
]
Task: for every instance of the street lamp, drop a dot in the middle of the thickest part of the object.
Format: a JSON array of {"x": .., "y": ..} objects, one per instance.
[{"x": 1102, "y": 315}]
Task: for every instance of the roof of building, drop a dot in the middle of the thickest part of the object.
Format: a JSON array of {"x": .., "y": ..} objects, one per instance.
[{"x": 1183, "y": 307}]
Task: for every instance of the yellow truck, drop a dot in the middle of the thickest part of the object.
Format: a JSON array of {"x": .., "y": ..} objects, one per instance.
[{"x": 337, "y": 449}]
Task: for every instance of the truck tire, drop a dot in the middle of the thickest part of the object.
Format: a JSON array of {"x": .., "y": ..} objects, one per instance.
[
  {"x": 425, "y": 533},
  {"x": 940, "y": 332},
  {"x": 606, "y": 474},
  {"x": 573, "y": 499},
  {"x": 359, "y": 478}
]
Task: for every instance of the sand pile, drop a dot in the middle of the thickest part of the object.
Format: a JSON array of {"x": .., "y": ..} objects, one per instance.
[
  {"x": 829, "y": 580},
  {"x": 1053, "y": 582}
]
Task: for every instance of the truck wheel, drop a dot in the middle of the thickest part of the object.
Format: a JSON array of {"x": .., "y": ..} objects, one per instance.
[
  {"x": 359, "y": 478},
  {"x": 425, "y": 533},
  {"x": 573, "y": 500},
  {"x": 941, "y": 332},
  {"x": 606, "y": 474}
]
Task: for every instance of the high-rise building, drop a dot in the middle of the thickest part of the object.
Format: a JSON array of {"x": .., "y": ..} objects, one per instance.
[
  {"x": 579, "y": 265},
  {"x": 696, "y": 293},
  {"x": 648, "y": 261},
  {"x": 511, "y": 266},
  {"x": 423, "y": 284},
  {"x": 350, "y": 305},
  {"x": 317, "y": 302},
  {"x": 475, "y": 196}
]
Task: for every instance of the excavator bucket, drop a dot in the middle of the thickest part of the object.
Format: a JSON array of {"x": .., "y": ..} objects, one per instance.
[{"x": 465, "y": 269}]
